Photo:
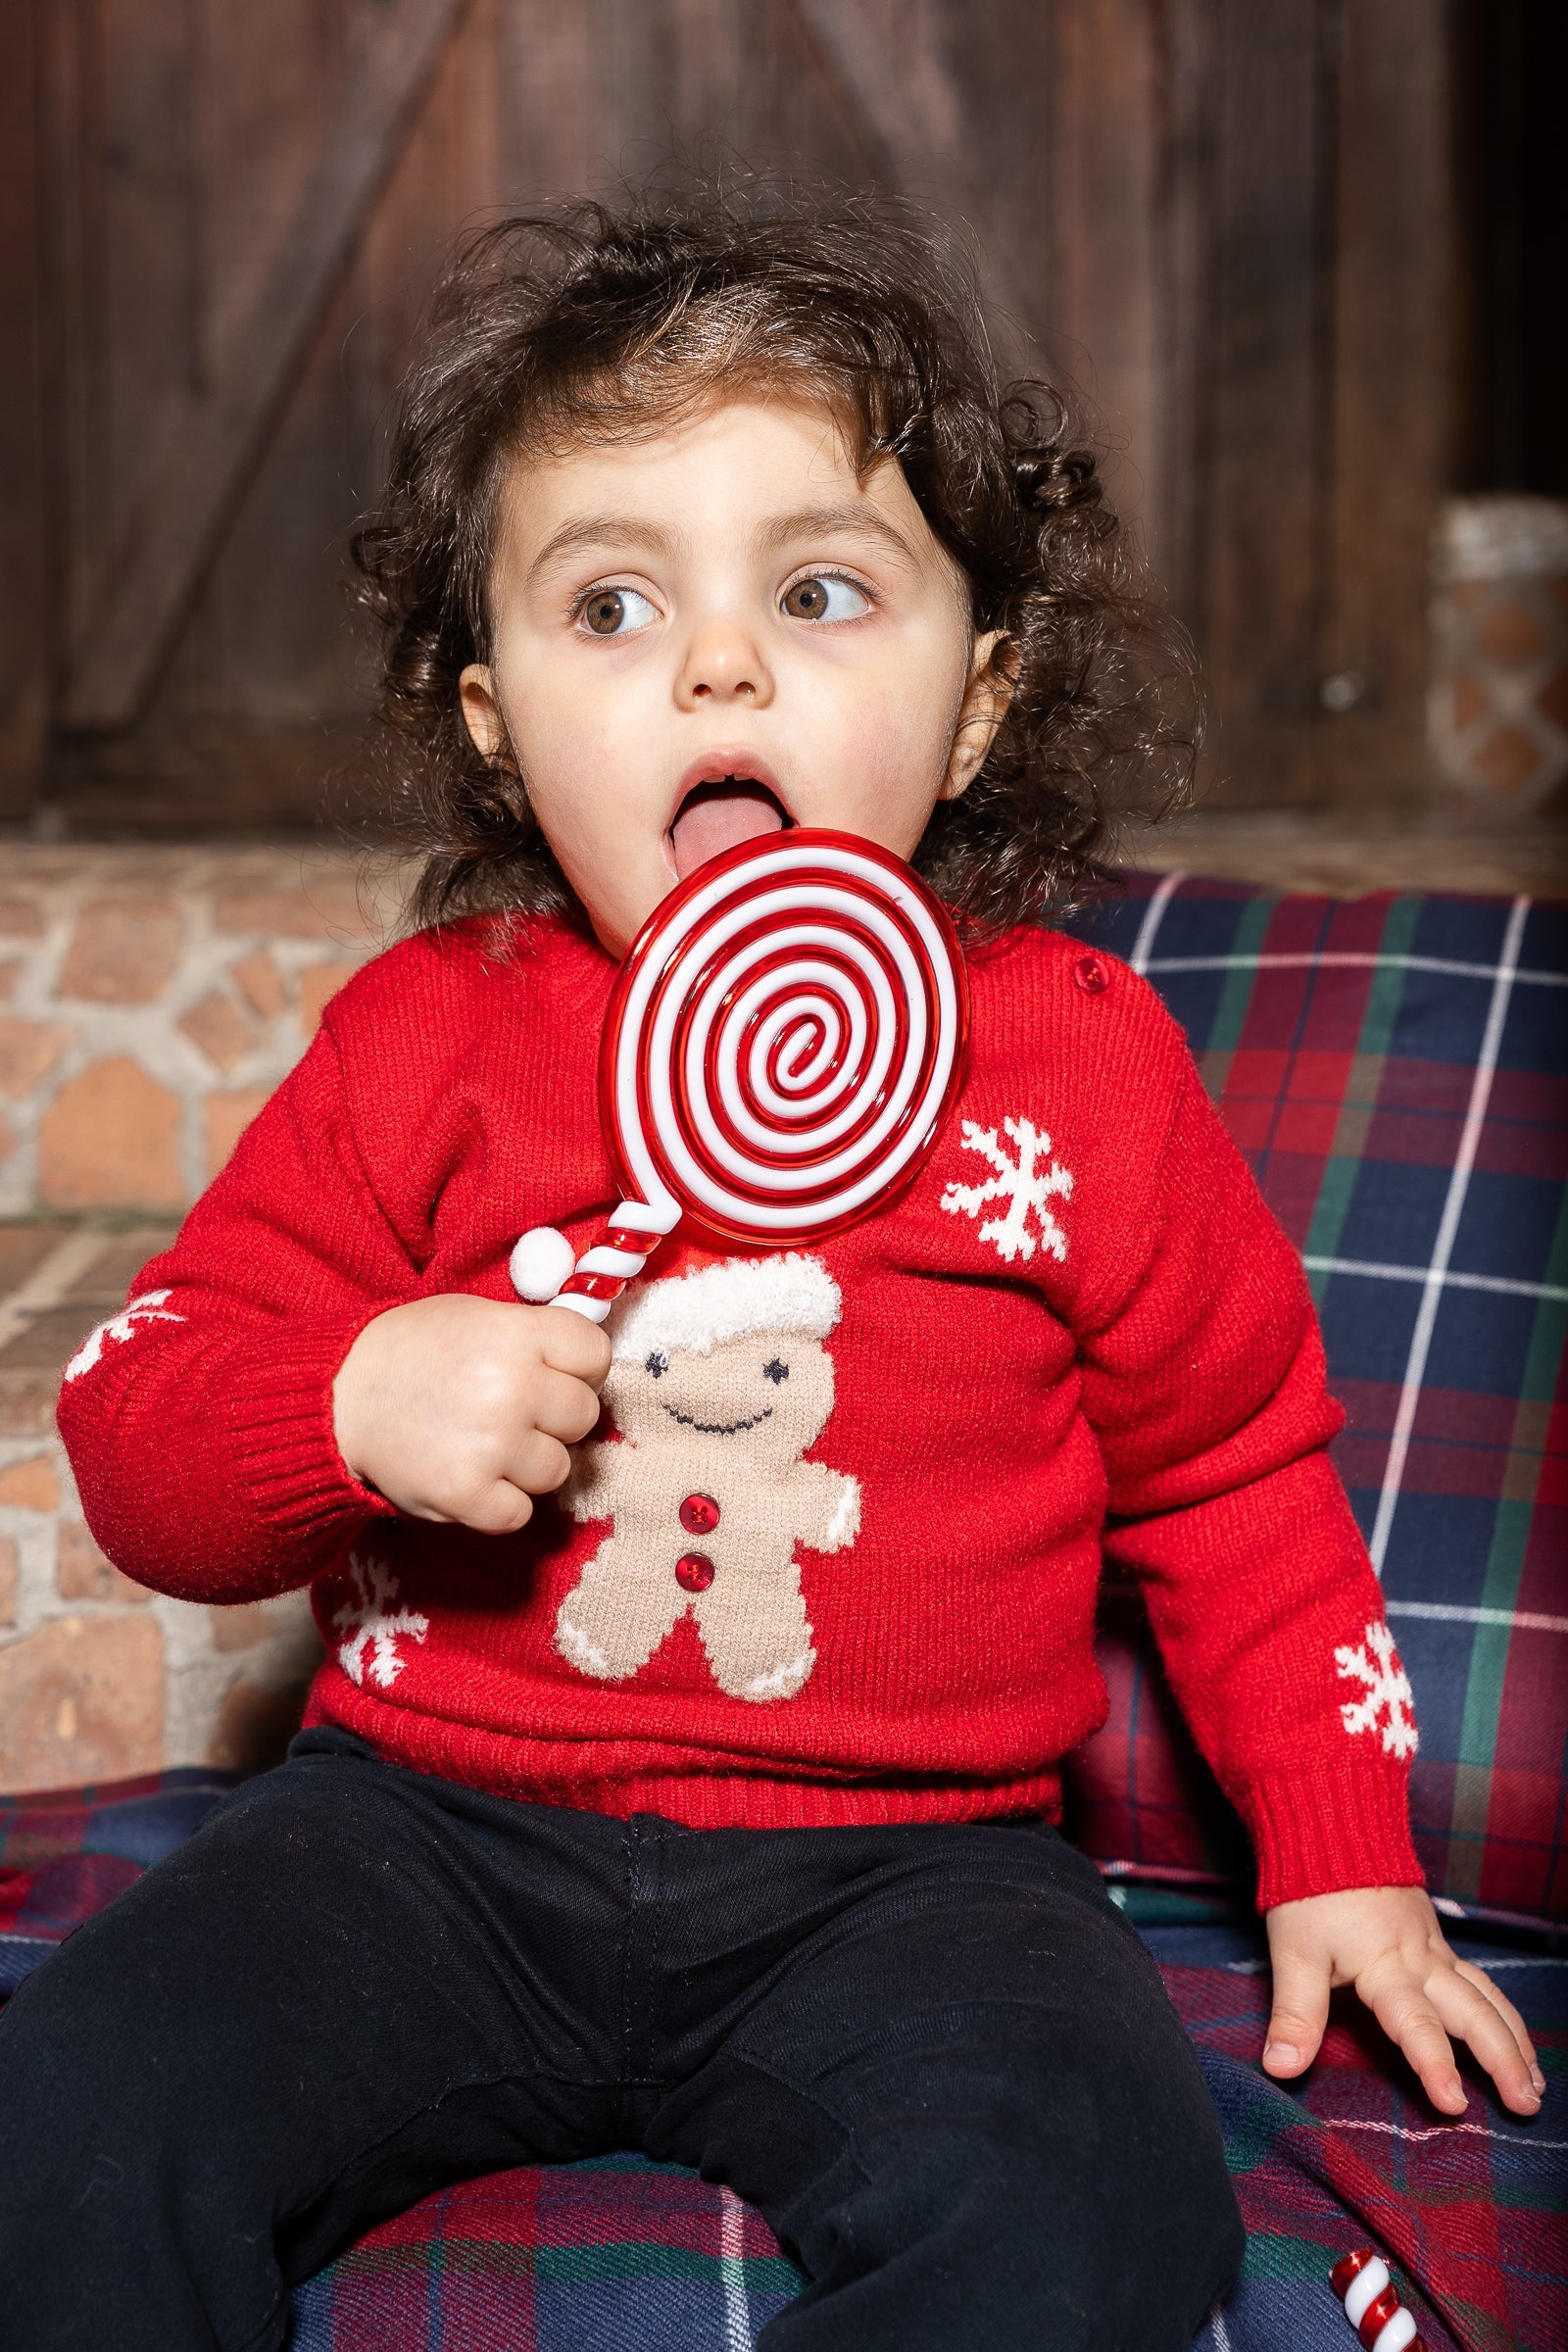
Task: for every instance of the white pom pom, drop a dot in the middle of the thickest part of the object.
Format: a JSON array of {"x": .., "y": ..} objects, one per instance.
[{"x": 540, "y": 1263}]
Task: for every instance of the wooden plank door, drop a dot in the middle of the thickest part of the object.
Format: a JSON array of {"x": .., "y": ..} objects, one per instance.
[
  {"x": 210, "y": 178},
  {"x": 1309, "y": 248},
  {"x": 1227, "y": 220}
]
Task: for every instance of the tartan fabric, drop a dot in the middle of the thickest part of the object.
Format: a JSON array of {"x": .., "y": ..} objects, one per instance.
[
  {"x": 1468, "y": 2214},
  {"x": 1395, "y": 1070},
  {"x": 65, "y": 1852},
  {"x": 620, "y": 2255}
]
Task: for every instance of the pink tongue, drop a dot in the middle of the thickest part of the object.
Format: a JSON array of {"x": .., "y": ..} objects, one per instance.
[{"x": 716, "y": 816}]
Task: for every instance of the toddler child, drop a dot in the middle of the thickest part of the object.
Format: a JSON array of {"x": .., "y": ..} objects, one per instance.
[{"x": 692, "y": 1790}]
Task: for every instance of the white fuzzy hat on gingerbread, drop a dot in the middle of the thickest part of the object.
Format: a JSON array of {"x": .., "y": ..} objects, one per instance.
[{"x": 692, "y": 1314}]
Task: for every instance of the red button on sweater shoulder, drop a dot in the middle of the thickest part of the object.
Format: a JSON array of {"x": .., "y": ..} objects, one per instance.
[{"x": 1079, "y": 1339}]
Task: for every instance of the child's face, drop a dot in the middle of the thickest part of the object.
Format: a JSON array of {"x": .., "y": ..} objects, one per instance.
[{"x": 702, "y": 637}]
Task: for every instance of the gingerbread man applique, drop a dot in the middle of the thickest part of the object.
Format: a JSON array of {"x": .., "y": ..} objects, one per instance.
[{"x": 718, "y": 1383}]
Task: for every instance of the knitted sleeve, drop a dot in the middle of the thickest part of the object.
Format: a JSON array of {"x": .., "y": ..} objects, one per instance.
[
  {"x": 1207, "y": 1388},
  {"x": 199, "y": 1419}
]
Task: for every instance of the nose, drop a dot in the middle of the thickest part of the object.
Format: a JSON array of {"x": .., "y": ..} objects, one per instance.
[{"x": 723, "y": 663}]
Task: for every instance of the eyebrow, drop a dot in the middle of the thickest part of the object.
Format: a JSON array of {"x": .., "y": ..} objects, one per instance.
[
  {"x": 599, "y": 531},
  {"x": 818, "y": 522},
  {"x": 596, "y": 531}
]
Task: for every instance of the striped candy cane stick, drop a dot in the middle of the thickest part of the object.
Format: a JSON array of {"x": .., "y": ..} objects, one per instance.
[
  {"x": 784, "y": 1042},
  {"x": 1372, "y": 2304},
  {"x": 603, "y": 1272}
]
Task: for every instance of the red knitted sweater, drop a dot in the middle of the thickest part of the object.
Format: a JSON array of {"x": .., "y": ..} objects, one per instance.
[{"x": 832, "y": 1556}]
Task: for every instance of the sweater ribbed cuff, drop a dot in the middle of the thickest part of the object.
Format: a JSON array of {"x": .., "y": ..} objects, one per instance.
[
  {"x": 1346, "y": 1823},
  {"x": 281, "y": 1411}
]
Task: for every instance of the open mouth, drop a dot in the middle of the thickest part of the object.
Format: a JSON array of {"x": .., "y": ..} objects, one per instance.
[{"x": 718, "y": 812}]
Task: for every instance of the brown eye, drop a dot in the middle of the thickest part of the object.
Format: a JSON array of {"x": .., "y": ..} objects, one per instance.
[
  {"x": 824, "y": 596},
  {"x": 618, "y": 612},
  {"x": 807, "y": 600},
  {"x": 605, "y": 612}
]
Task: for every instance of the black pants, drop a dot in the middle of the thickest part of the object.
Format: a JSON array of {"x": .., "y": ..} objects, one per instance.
[{"x": 937, "y": 2058}]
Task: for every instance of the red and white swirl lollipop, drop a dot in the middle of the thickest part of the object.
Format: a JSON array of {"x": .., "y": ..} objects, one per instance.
[{"x": 784, "y": 1042}]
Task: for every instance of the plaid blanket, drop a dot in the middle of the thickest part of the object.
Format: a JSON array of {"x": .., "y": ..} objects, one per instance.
[
  {"x": 619, "y": 2255},
  {"x": 64, "y": 1853},
  {"x": 1469, "y": 2214},
  {"x": 1395, "y": 1070},
  {"x": 627, "y": 2256}
]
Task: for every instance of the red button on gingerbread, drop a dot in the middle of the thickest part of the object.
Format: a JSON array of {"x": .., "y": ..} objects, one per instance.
[
  {"x": 693, "y": 1571},
  {"x": 699, "y": 1514}
]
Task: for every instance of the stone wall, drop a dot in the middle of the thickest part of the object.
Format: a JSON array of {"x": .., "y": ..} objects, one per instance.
[{"x": 149, "y": 1000}]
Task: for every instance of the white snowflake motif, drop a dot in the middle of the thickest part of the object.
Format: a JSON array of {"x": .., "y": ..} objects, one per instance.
[
  {"x": 376, "y": 1626},
  {"x": 1024, "y": 1183},
  {"x": 148, "y": 1308},
  {"x": 1386, "y": 1686}
]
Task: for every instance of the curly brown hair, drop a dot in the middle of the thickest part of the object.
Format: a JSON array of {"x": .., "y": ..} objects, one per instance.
[{"x": 590, "y": 324}]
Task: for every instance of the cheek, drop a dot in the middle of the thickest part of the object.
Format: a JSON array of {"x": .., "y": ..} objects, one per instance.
[
  {"x": 886, "y": 724},
  {"x": 561, "y": 736},
  {"x": 569, "y": 706},
  {"x": 584, "y": 757}
]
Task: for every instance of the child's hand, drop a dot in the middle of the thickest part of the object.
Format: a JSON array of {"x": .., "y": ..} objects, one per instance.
[
  {"x": 463, "y": 1408},
  {"x": 1386, "y": 1942}
]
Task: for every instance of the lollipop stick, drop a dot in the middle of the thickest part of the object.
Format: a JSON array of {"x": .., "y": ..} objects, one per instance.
[{"x": 603, "y": 1272}]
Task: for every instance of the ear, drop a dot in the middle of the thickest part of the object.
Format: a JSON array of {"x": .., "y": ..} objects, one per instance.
[
  {"x": 481, "y": 711},
  {"x": 993, "y": 675}
]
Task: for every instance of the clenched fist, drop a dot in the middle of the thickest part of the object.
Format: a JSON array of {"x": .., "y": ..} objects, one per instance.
[{"x": 459, "y": 1408}]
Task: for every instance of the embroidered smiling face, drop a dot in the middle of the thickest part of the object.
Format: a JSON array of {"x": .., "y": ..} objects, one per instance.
[{"x": 767, "y": 1392}]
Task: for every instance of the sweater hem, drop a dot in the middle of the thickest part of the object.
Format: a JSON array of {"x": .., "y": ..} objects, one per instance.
[{"x": 543, "y": 1772}]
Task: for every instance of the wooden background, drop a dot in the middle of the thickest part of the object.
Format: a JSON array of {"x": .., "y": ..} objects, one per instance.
[{"x": 1231, "y": 222}]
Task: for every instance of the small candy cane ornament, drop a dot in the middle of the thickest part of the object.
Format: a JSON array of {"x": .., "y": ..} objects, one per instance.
[
  {"x": 1372, "y": 2304},
  {"x": 784, "y": 1042}
]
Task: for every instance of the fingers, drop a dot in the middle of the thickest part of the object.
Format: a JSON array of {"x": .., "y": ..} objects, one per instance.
[
  {"x": 571, "y": 1344},
  {"x": 1507, "y": 2012},
  {"x": 499, "y": 1510},
  {"x": 565, "y": 1407},
  {"x": 538, "y": 1464},
  {"x": 1402, "y": 2008},
  {"x": 1299, "y": 2014},
  {"x": 502, "y": 1506},
  {"x": 1454, "y": 1997},
  {"x": 1475, "y": 2012}
]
